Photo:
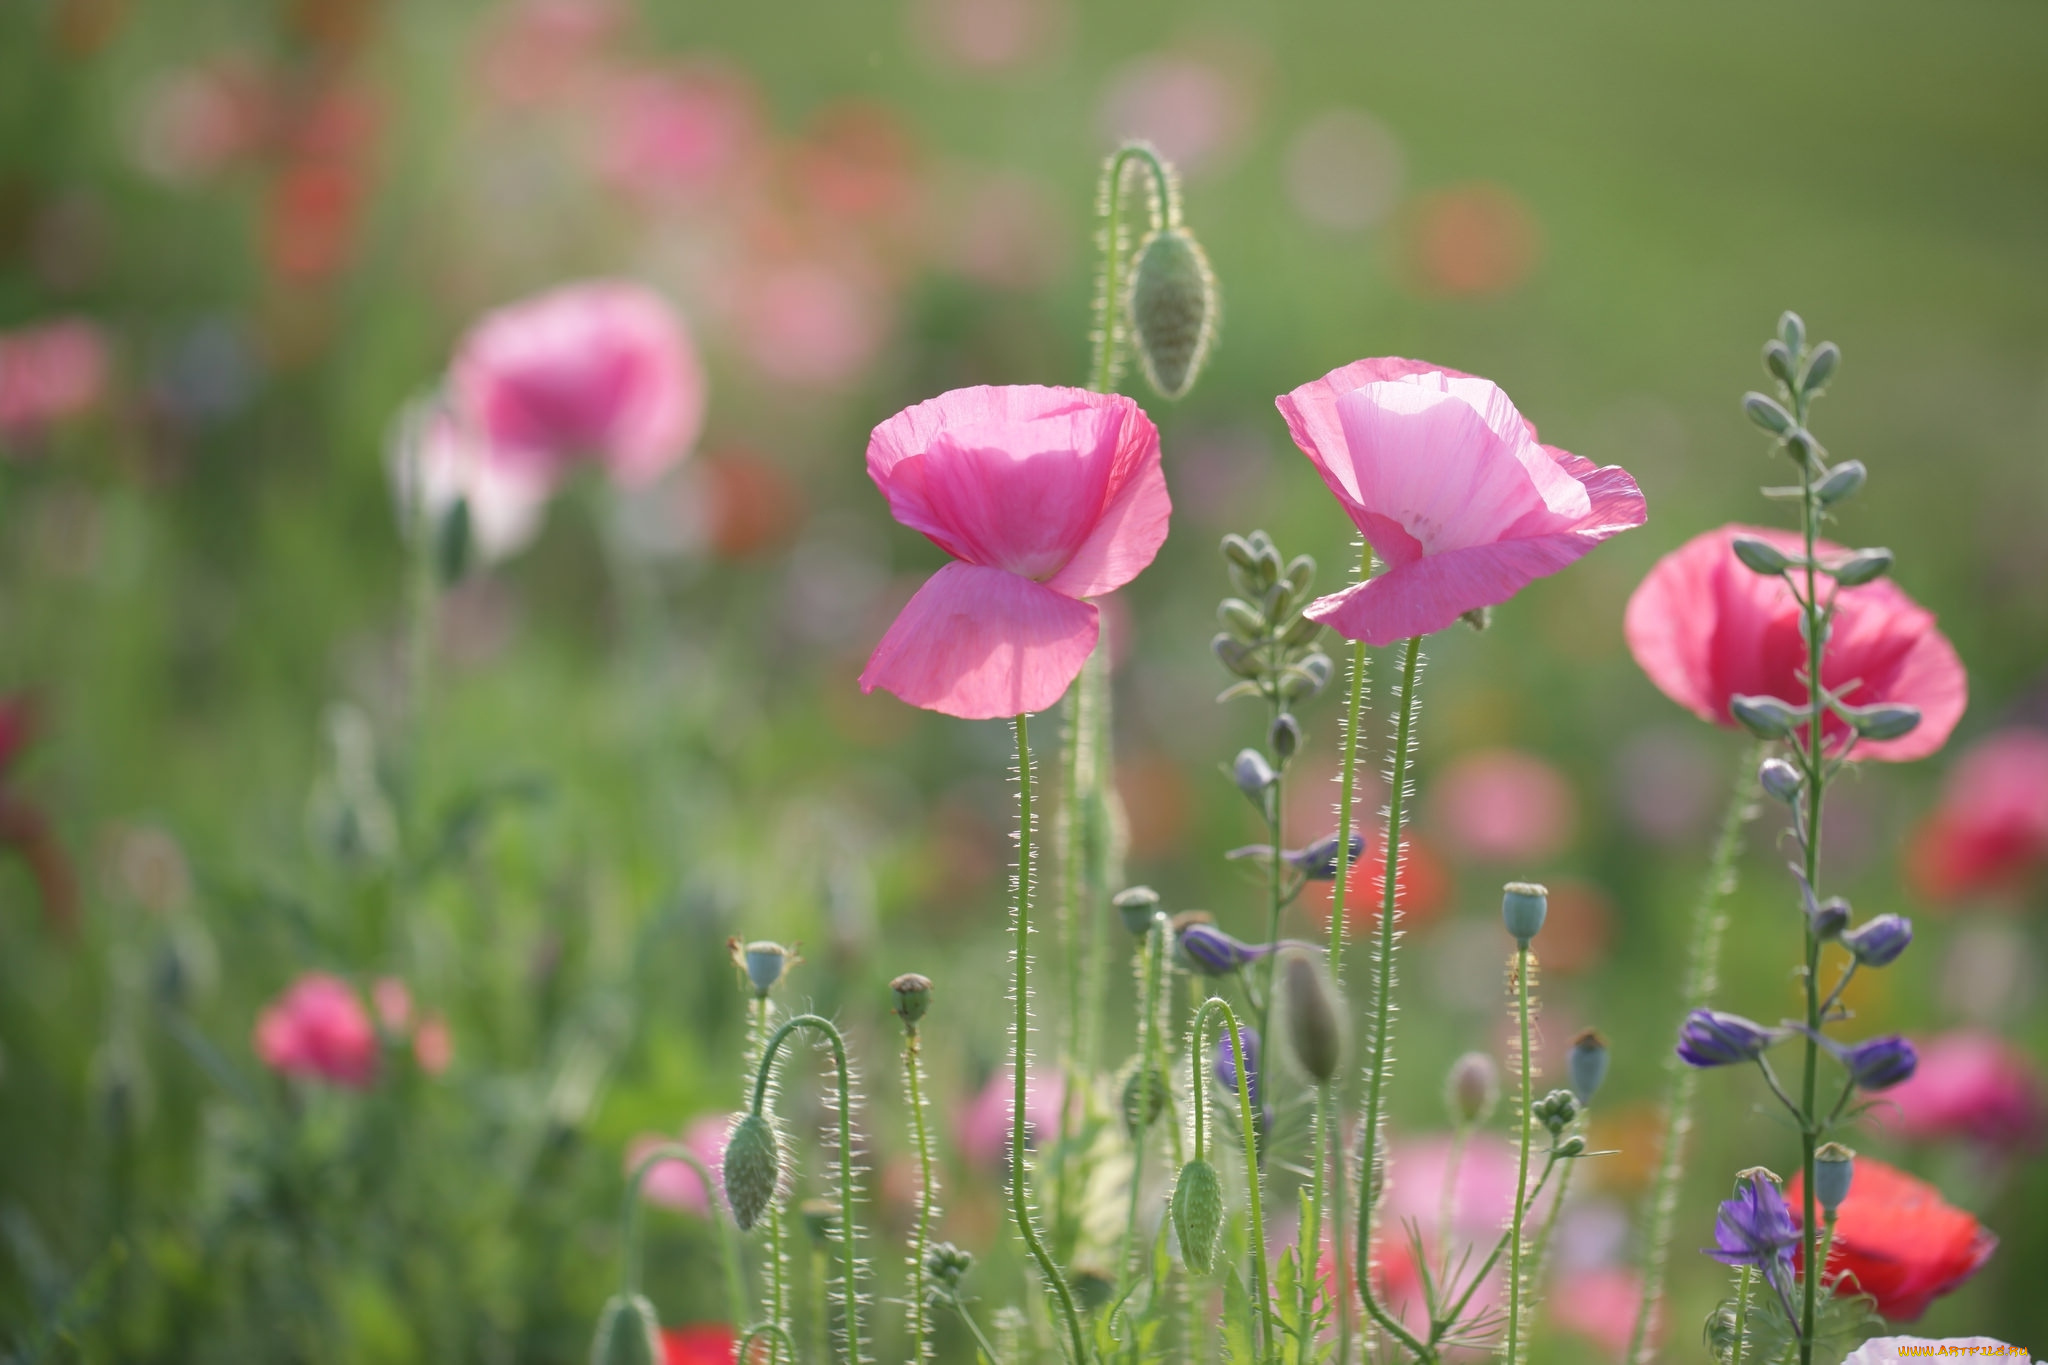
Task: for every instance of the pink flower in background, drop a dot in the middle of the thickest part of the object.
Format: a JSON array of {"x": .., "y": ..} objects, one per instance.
[
  {"x": 672, "y": 1184},
  {"x": 1343, "y": 170},
  {"x": 858, "y": 161},
  {"x": 1481, "y": 1198},
  {"x": 1991, "y": 829},
  {"x": 1705, "y": 629},
  {"x": 1600, "y": 1305},
  {"x": 1505, "y": 805},
  {"x": 1448, "y": 485},
  {"x": 49, "y": 372},
  {"x": 988, "y": 35},
  {"x": 1044, "y": 497},
  {"x": 318, "y": 1028},
  {"x": 393, "y": 1003},
  {"x": 982, "y": 1126},
  {"x": 810, "y": 321},
  {"x": 1190, "y": 109},
  {"x": 433, "y": 1046},
  {"x": 195, "y": 122},
  {"x": 438, "y": 461},
  {"x": 682, "y": 133},
  {"x": 537, "y": 50},
  {"x": 1970, "y": 1084},
  {"x": 601, "y": 371},
  {"x": 1469, "y": 241}
]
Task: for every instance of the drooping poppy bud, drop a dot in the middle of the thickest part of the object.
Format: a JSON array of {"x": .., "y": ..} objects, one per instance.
[
  {"x": 1198, "y": 1214},
  {"x": 1173, "y": 310},
  {"x": 753, "y": 1168},
  {"x": 628, "y": 1333}
]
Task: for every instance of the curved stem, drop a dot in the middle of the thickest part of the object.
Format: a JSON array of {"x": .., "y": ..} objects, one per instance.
[
  {"x": 728, "y": 1239},
  {"x": 1248, "y": 1129},
  {"x": 919, "y": 1325},
  {"x": 1522, "y": 1161},
  {"x": 1383, "y": 1001},
  {"x": 1020, "y": 1060},
  {"x": 1681, "y": 1082},
  {"x": 1108, "y": 333},
  {"x": 849, "y": 1261},
  {"x": 778, "y": 1336},
  {"x": 975, "y": 1329}
]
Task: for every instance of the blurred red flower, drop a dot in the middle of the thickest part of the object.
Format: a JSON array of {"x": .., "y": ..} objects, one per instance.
[
  {"x": 49, "y": 371},
  {"x": 1471, "y": 240},
  {"x": 1705, "y": 628},
  {"x": 1969, "y": 1084},
  {"x": 1991, "y": 829},
  {"x": 704, "y": 1343},
  {"x": 1899, "y": 1240},
  {"x": 318, "y": 1028},
  {"x": 1425, "y": 886}
]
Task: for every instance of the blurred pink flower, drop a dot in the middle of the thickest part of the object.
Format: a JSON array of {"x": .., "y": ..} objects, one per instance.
[
  {"x": 1505, "y": 805},
  {"x": 433, "y": 1046},
  {"x": 1004, "y": 230},
  {"x": 1470, "y": 241},
  {"x": 1970, "y": 1084},
  {"x": 1343, "y": 170},
  {"x": 672, "y": 1184},
  {"x": 1705, "y": 629},
  {"x": 987, "y": 35},
  {"x": 601, "y": 371},
  {"x": 1044, "y": 497},
  {"x": 1600, "y": 1305},
  {"x": 1482, "y": 1197},
  {"x": 318, "y": 1028},
  {"x": 982, "y": 1125},
  {"x": 393, "y": 1003},
  {"x": 49, "y": 371},
  {"x": 1448, "y": 484},
  {"x": 1190, "y": 109},
  {"x": 195, "y": 122},
  {"x": 810, "y": 321},
  {"x": 678, "y": 133},
  {"x": 1991, "y": 829},
  {"x": 858, "y": 162},
  {"x": 437, "y": 460},
  {"x": 536, "y": 50}
]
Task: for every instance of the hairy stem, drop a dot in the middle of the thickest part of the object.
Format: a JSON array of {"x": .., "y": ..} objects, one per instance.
[
  {"x": 919, "y": 1325},
  {"x": 1327, "y": 1114},
  {"x": 1743, "y": 1284},
  {"x": 1261, "y": 1309},
  {"x": 1148, "y": 1029},
  {"x": 1513, "y": 1354}
]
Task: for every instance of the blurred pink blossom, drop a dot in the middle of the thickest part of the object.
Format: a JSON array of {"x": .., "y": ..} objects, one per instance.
[
  {"x": 1991, "y": 829},
  {"x": 1470, "y": 240},
  {"x": 433, "y": 1046},
  {"x": 681, "y": 133},
  {"x": 1600, "y": 1305},
  {"x": 49, "y": 371},
  {"x": 537, "y": 50},
  {"x": 1505, "y": 805},
  {"x": 810, "y": 322},
  {"x": 1343, "y": 170},
  {"x": 436, "y": 460},
  {"x": 672, "y": 1184},
  {"x": 988, "y": 35},
  {"x": 600, "y": 371},
  {"x": 982, "y": 1125},
  {"x": 858, "y": 161},
  {"x": 1003, "y": 229},
  {"x": 1482, "y": 1197},
  {"x": 196, "y": 122},
  {"x": 318, "y": 1028},
  {"x": 1190, "y": 109},
  {"x": 1970, "y": 1084},
  {"x": 393, "y": 1002}
]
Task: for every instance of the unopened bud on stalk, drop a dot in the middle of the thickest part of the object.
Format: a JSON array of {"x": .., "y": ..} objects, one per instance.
[
  {"x": 1173, "y": 310},
  {"x": 764, "y": 962},
  {"x": 1878, "y": 942},
  {"x": 1235, "y": 655},
  {"x": 1137, "y": 905},
  {"x": 628, "y": 1333},
  {"x": 1792, "y": 331},
  {"x": 947, "y": 1263},
  {"x": 1780, "y": 780},
  {"x": 1285, "y": 736},
  {"x": 1472, "y": 1089},
  {"x": 1760, "y": 556},
  {"x": 1575, "y": 1145},
  {"x": 1830, "y": 918},
  {"x": 1820, "y": 368},
  {"x": 1314, "y": 1015},
  {"x": 1144, "y": 1098},
  {"x": 1587, "y": 1065},
  {"x": 1254, "y": 776},
  {"x": 1778, "y": 360},
  {"x": 1198, "y": 1214},
  {"x": 1767, "y": 413},
  {"x": 913, "y": 996},
  {"x": 1765, "y": 717},
  {"x": 1886, "y": 720},
  {"x": 1556, "y": 1111},
  {"x": 1865, "y": 566},
  {"x": 753, "y": 1167},
  {"x": 1844, "y": 481},
  {"x": 1834, "y": 1169},
  {"x": 1523, "y": 906}
]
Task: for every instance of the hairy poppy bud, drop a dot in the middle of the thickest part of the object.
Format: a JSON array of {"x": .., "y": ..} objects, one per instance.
[
  {"x": 913, "y": 996},
  {"x": 1472, "y": 1089},
  {"x": 1137, "y": 905},
  {"x": 1144, "y": 1098},
  {"x": 753, "y": 1167},
  {"x": 628, "y": 1333},
  {"x": 1834, "y": 1168},
  {"x": 1523, "y": 906},
  {"x": 1173, "y": 310},
  {"x": 1313, "y": 1013},
  {"x": 1587, "y": 1065},
  {"x": 1198, "y": 1214}
]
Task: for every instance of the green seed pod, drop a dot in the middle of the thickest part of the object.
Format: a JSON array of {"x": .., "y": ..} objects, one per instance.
[
  {"x": 1842, "y": 482},
  {"x": 1313, "y": 1013},
  {"x": 1778, "y": 360},
  {"x": 1760, "y": 556},
  {"x": 913, "y": 996},
  {"x": 1198, "y": 1214},
  {"x": 753, "y": 1167},
  {"x": 1241, "y": 619},
  {"x": 1834, "y": 1170},
  {"x": 1137, "y": 905},
  {"x": 1865, "y": 566},
  {"x": 1820, "y": 367},
  {"x": 1523, "y": 907},
  {"x": 1144, "y": 1098},
  {"x": 1767, "y": 413},
  {"x": 628, "y": 1333},
  {"x": 1173, "y": 310}
]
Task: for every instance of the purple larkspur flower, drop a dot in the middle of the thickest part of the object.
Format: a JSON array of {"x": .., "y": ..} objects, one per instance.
[
  {"x": 1878, "y": 942},
  {"x": 1879, "y": 1063},
  {"x": 1716, "y": 1038},
  {"x": 1755, "y": 1229}
]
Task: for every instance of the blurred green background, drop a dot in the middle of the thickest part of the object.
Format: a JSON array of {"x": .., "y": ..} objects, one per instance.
[{"x": 643, "y": 736}]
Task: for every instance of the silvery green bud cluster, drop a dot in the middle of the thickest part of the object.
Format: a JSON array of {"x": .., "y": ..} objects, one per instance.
[
  {"x": 1556, "y": 1111},
  {"x": 1266, "y": 641},
  {"x": 1198, "y": 1214},
  {"x": 948, "y": 1264}
]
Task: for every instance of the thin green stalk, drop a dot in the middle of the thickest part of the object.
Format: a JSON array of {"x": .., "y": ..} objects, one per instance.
[
  {"x": 1311, "y": 1243},
  {"x": 778, "y": 1268},
  {"x": 1261, "y": 1301},
  {"x": 1447, "y": 1194},
  {"x": 849, "y": 1227},
  {"x": 919, "y": 1325},
  {"x": 1020, "y": 1054},
  {"x": 1742, "y": 1288},
  {"x": 1326, "y": 1115},
  {"x": 975, "y": 1329},
  {"x": 1816, "y": 787},
  {"x": 1526, "y": 1106},
  {"x": 728, "y": 1239},
  {"x": 1443, "y": 1325},
  {"x": 821, "y": 1313},
  {"x": 1383, "y": 987},
  {"x": 1148, "y": 1030},
  {"x": 1540, "y": 1252},
  {"x": 1681, "y": 1082}
]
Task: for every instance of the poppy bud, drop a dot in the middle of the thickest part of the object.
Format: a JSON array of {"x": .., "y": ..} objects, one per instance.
[
  {"x": 1137, "y": 905},
  {"x": 1760, "y": 556},
  {"x": 1767, "y": 413},
  {"x": 1765, "y": 717},
  {"x": 1778, "y": 360},
  {"x": 1820, "y": 368},
  {"x": 753, "y": 1167},
  {"x": 1587, "y": 1065},
  {"x": 1285, "y": 736},
  {"x": 1844, "y": 481},
  {"x": 1472, "y": 1089},
  {"x": 913, "y": 996},
  {"x": 765, "y": 963},
  {"x": 1313, "y": 1013},
  {"x": 1144, "y": 1098},
  {"x": 628, "y": 1333},
  {"x": 1254, "y": 776},
  {"x": 1878, "y": 942},
  {"x": 1173, "y": 310},
  {"x": 1780, "y": 779},
  {"x": 1198, "y": 1214},
  {"x": 1865, "y": 566},
  {"x": 1886, "y": 720},
  {"x": 1834, "y": 1167},
  {"x": 1715, "y": 1038},
  {"x": 1523, "y": 906}
]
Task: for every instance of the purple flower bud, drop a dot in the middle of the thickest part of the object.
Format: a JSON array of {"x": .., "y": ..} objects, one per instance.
[
  {"x": 1226, "y": 1064},
  {"x": 1210, "y": 951},
  {"x": 1780, "y": 779},
  {"x": 1253, "y": 775},
  {"x": 1878, "y": 942},
  {"x": 1829, "y": 918},
  {"x": 1318, "y": 862},
  {"x": 1880, "y": 1063},
  {"x": 1713, "y": 1038}
]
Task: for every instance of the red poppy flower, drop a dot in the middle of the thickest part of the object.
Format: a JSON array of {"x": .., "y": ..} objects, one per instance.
[
  {"x": 1899, "y": 1241},
  {"x": 704, "y": 1343}
]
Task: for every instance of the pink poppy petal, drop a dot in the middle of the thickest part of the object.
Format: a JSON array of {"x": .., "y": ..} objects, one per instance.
[
  {"x": 1021, "y": 496},
  {"x": 1431, "y": 593},
  {"x": 911, "y": 431},
  {"x": 979, "y": 643},
  {"x": 1132, "y": 527}
]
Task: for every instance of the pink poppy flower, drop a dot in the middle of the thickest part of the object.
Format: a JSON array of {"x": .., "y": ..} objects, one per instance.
[
  {"x": 436, "y": 459},
  {"x": 1506, "y": 805},
  {"x": 1600, "y": 1305},
  {"x": 1991, "y": 829},
  {"x": 1449, "y": 486},
  {"x": 1706, "y": 629},
  {"x": 1044, "y": 497},
  {"x": 982, "y": 1127},
  {"x": 601, "y": 371},
  {"x": 672, "y": 1184},
  {"x": 319, "y": 1028},
  {"x": 49, "y": 372},
  {"x": 669, "y": 134},
  {"x": 1969, "y": 1084}
]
